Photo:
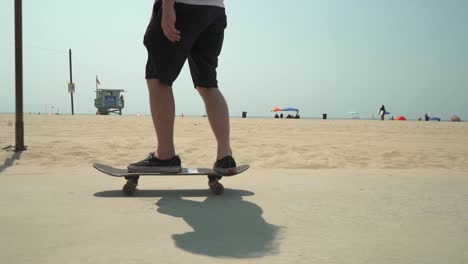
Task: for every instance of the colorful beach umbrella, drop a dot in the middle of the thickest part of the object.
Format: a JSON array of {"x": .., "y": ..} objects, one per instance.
[
  {"x": 278, "y": 109},
  {"x": 400, "y": 118},
  {"x": 289, "y": 109},
  {"x": 354, "y": 114},
  {"x": 456, "y": 118}
]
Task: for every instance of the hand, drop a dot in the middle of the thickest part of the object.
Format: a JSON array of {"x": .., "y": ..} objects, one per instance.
[{"x": 168, "y": 23}]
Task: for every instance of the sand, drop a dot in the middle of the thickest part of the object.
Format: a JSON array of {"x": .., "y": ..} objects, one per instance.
[
  {"x": 263, "y": 143},
  {"x": 318, "y": 191}
]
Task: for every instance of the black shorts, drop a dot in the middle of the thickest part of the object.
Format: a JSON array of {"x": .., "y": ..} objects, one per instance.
[{"x": 202, "y": 34}]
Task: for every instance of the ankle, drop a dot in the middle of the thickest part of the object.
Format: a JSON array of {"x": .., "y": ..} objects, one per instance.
[
  {"x": 165, "y": 155},
  {"x": 218, "y": 157}
]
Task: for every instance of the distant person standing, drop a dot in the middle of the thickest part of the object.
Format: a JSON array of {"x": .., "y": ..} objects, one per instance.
[
  {"x": 382, "y": 112},
  {"x": 426, "y": 117}
]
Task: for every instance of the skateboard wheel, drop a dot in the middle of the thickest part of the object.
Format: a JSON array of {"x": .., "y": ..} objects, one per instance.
[
  {"x": 217, "y": 188},
  {"x": 129, "y": 188},
  {"x": 211, "y": 183}
]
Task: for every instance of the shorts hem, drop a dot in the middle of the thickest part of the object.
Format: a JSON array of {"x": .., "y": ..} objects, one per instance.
[
  {"x": 161, "y": 80},
  {"x": 206, "y": 85}
]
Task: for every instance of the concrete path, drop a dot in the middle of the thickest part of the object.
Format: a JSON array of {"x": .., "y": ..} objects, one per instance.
[{"x": 79, "y": 215}]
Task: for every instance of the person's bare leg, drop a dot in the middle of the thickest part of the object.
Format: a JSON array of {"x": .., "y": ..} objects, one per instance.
[
  {"x": 218, "y": 116},
  {"x": 163, "y": 113}
]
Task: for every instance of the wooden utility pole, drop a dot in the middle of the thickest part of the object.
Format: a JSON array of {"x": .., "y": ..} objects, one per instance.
[
  {"x": 19, "y": 125},
  {"x": 71, "y": 81}
]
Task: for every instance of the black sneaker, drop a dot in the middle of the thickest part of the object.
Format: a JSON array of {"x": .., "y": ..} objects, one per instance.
[
  {"x": 225, "y": 166},
  {"x": 153, "y": 164}
]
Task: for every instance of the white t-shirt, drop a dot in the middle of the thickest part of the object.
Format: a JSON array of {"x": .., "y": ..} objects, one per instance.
[{"x": 219, "y": 3}]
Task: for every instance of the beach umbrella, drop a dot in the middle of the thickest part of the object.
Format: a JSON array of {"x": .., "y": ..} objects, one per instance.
[
  {"x": 401, "y": 118},
  {"x": 456, "y": 118},
  {"x": 354, "y": 114},
  {"x": 290, "y": 109},
  {"x": 276, "y": 109}
]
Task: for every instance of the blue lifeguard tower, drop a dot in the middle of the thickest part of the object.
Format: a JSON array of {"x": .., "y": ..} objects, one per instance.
[{"x": 109, "y": 101}]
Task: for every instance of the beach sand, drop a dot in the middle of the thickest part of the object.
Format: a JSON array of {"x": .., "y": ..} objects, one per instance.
[{"x": 318, "y": 191}]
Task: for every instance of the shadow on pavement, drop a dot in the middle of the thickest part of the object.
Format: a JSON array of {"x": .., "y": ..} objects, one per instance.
[{"x": 223, "y": 226}]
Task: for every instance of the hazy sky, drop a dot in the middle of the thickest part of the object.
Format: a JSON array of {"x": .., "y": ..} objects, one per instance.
[{"x": 321, "y": 56}]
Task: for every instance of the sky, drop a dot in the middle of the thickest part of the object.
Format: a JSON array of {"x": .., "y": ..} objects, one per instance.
[{"x": 321, "y": 56}]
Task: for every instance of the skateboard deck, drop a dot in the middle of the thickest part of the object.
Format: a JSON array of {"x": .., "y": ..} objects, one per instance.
[
  {"x": 116, "y": 172},
  {"x": 132, "y": 177}
]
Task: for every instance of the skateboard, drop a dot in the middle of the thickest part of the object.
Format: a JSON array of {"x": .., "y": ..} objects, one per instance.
[{"x": 132, "y": 177}]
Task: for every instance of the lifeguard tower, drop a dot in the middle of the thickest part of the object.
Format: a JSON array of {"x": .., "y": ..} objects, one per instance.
[{"x": 109, "y": 101}]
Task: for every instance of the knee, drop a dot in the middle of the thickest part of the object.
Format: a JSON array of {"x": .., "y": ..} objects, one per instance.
[
  {"x": 204, "y": 91},
  {"x": 156, "y": 84}
]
